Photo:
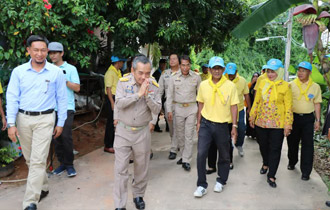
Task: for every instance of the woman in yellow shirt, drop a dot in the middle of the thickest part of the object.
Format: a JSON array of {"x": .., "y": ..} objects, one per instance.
[{"x": 272, "y": 116}]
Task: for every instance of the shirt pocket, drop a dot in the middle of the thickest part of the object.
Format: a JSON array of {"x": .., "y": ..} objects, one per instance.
[{"x": 48, "y": 87}]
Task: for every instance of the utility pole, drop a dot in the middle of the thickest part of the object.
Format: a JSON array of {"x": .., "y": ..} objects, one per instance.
[{"x": 288, "y": 45}]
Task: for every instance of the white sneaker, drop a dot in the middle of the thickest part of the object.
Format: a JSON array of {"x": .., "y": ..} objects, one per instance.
[
  {"x": 218, "y": 187},
  {"x": 240, "y": 151},
  {"x": 200, "y": 191}
]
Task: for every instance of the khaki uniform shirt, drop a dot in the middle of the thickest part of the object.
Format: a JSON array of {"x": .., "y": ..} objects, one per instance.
[
  {"x": 182, "y": 89},
  {"x": 164, "y": 80},
  {"x": 132, "y": 110}
]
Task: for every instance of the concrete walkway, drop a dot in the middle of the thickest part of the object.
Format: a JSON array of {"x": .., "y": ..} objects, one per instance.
[{"x": 171, "y": 188}]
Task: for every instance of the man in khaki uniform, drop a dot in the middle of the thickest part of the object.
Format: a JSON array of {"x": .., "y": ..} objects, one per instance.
[
  {"x": 182, "y": 92},
  {"x": 137, "y": 100},
  {"x": 163, "y": 86}
]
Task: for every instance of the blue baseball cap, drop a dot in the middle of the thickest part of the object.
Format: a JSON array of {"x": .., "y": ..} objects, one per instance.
[
  {"x": 274, "y": 64},
  {"x": 115, "y": 59},
  {"x": 205, "y": 65},
  {"x": 305, "y": 65},
  {"x": 216, "y": 61},
  {"x": 264, "y": 67},
  {"x": 231, "y": 68}
]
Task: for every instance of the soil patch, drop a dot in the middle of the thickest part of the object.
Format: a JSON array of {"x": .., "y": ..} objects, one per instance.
[{"x": 85, "y": 140}]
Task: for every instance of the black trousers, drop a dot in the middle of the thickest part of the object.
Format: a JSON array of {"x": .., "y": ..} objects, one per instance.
[
  {"x": 270, "y": 144},
  {"x": 212, "y": 156},
  {"x": 302, "y": 130},
  {"x": 217, "y": 132},
  {"x": 64, "y": 143},
  {"x": 109, "y": 136}
]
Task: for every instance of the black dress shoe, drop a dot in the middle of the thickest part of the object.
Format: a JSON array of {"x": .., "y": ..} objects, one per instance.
[
  {"x": 120, "y": 209},
  {"x": 291, "y": 167},
  {"x": 139, "y": 203},
  {"x": 172, "y": 156},
  {"x": 151, "y": 155},
  {"x": 32, "y": 206},
  {"x": 158, "y": 130},
  {"x": 327, "y": 203},
  {"x": 305, "y": 177},
  {"x": 211, "y": 170},
  {"x": 231, "y": 166},
  {"x": 43, "y": 194},
  {"x": 186, "y": 166},
  {"x": 179, "y": 162},
  {"x": 131, "y": 161},
  {"x": 271, "y": 183},
  {"x": 263, "y": 171}
]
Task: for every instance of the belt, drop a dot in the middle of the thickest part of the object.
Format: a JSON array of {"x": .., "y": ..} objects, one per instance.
[
  {"x": 185, "y": 104},
  {"x": 36, "y": 113},
  {"x": 304, "y": 114},
  {"x": 130, "y": 127}
]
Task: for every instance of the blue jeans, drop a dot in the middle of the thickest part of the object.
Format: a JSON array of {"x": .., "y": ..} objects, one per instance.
[{"x": 241, "y": 129}]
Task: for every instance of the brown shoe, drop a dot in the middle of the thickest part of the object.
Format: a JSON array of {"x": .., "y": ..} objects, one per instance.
[{"x": 110, "y": 150}]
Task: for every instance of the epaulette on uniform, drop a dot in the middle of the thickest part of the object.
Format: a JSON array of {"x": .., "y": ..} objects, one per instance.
[
  {"x": 125, "y": 75},
  {"x": 174, "y": 73},
  {"x": 155, "y": 83},
  {"x": 197, "y": 73},
  {"x": 124, "y": 79},
  {"x": 152, "y": 77}
]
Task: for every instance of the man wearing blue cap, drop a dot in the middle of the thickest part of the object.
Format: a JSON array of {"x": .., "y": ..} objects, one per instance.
[
  {"x": 205, "y": 72},
  {"x": 217, "y": 106},
  {"x": 307, "y": 99},
  {"x": 64, "y": 144},
  {"x": 111, "y": 78},
  {"x": 243, "y": 93}
]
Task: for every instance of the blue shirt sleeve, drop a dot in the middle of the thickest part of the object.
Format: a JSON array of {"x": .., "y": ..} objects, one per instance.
[
  {"x": 74, "y": 77},
  {"x": 12, "y": 96},
  {"x": 61, "y": 99}
]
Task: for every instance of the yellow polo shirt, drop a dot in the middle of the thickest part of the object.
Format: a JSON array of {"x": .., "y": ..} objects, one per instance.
[
  {"x": 242, "y": 89},
  {"x": 302, "y": 106},
  {"x": 218, "y": 112},
  {"x": 111, "y": 78},
  {"x": 260, "y": 78},
  {"x": 1, "y": 91},
  {"x": 205, "y": 76}
]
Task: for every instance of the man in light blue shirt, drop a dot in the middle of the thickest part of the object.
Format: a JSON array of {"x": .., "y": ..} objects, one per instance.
[
  {"x": 64, "y": 144},
  {"x": 34, "y": 89}
]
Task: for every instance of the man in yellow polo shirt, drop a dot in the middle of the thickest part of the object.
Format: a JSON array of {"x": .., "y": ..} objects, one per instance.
[
  {"x": 217, "y": 105},
  {"x": 205, "y": 72},
  {"x": 306, "y": 109},
  {"x": 111, "y": 78},
  {"x": 2, "y": 114},
  {"x": 243, "y": 94}
]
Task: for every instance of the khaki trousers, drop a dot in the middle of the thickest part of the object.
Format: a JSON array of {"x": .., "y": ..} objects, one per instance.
[
  {"x": 126, "y": 143},
  {"x": 186, "y": 118},
  {"x": 35, "y": 137},
  {"x": 172, "y": 127}
]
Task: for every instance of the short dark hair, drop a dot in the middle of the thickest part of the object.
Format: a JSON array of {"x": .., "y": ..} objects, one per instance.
[
  {"x": 140, "y": 59},
  {"x": 36, "y": 38},
  {"x": 162, "y": 61},
  {"x": 174, "y": 54},
  {"x": 184, "y": 57}
]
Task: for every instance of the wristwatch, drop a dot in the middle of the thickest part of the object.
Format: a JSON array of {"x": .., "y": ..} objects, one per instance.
[
  {"x": 9, "y": 125},
  {"x": 236, "y": 126},
  {"x": 317, "y": 120}
]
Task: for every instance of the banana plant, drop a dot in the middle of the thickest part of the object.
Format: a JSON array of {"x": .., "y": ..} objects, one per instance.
[{"x": 314, "y": 21}]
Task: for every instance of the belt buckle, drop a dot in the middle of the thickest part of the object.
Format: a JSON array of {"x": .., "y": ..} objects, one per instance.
[
  {"x": 133, "y": 128},
  {"x": 185, "y": 105},
  {"x": 301, "y": 115}
]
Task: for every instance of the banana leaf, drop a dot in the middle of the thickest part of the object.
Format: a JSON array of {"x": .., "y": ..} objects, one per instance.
[
  {"x": 263, "y": 15},
  {"x": 292, "y": 70},
  {"x": 317, "y": 76}
]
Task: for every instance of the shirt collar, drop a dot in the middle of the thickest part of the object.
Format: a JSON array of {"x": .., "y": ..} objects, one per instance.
[
  {"x": 63, "y": 65},
  {"x": 46, "y": 67},
  {"x": 180, "y": 73}
]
